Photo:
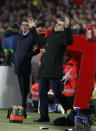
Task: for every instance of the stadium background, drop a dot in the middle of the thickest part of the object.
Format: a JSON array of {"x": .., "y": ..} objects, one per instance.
[{"x": 45, "y": 14}]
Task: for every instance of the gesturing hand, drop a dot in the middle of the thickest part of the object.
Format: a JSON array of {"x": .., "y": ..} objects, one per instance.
[
  {"x": 66, "y": 22},
  {"x": 31, "y": 22}
]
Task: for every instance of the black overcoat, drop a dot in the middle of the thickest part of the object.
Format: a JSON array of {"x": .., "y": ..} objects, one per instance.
[{"x": 52, "y": 59}]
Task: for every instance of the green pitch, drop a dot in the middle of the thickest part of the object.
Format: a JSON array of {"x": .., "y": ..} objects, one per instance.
[{"x": 29, "y": 125}]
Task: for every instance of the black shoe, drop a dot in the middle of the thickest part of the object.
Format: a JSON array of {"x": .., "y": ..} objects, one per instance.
[{"x": 42, "y": 120}]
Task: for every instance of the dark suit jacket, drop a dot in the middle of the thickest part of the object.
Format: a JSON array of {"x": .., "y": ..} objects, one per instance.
[{"x": 23, "y": 52}]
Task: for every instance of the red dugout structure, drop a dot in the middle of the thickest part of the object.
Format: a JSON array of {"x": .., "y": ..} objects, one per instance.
[{"x": 86, "y": 71}]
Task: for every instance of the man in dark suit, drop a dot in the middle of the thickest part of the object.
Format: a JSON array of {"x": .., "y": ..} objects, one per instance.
[
  {"x": 51, "y": 69},
  {"x": 22, "y": 57}
]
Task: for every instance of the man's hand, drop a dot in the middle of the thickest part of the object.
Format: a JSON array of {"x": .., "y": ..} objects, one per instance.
[
  {"x": 67, "y": 22},
  {"x": 43, "y": 50},
  {"x": 31, "y": 22}
]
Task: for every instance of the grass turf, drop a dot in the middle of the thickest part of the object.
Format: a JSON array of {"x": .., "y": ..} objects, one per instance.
[{"x": 29, "y": 124}]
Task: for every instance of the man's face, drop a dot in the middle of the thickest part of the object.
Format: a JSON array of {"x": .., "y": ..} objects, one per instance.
[
  {"x": 25, "y": 26},
  {"x": 59, "y": 26}
]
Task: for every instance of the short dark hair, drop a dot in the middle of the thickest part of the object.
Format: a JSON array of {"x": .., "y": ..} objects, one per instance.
[
  {"x": 62, "y": 19},
  {"x": 24, "y": 20},
  {"x": 15, "y": 26}
]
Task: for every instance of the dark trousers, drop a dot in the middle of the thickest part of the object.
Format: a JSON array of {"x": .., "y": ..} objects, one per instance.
[
  {"x": 24, "y": 82},
  {"x": 65, "y": 101}
]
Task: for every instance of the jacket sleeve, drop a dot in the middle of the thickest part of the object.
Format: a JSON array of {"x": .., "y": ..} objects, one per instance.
[
  {"x": 68, "y": 38},
  {"x": 32, "y": 53},
  {"x": 37, "y": 39},
  {"x": 35, "y": 52}
]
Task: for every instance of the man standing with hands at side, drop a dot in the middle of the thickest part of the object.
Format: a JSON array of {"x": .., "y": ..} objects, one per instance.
[
  {"x": 22, "y": 57},
  {"x": 51, "y": 68}
]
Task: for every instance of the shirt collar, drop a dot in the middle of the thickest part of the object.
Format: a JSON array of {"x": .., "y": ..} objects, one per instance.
[{"x": 24, "y": 34}]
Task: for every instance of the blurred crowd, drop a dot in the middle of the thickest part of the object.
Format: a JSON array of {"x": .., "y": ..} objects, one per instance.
[{"x": 46, "y": 12}]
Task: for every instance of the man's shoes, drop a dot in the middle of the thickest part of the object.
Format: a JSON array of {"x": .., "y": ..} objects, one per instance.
[{"x": 42, "y": 120}]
